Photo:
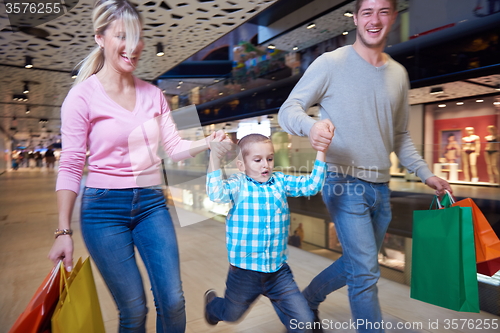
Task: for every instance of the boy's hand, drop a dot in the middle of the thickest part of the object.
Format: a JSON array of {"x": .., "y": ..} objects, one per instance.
[
  {"x": 321, "y": 135},
  {"x": 219, "y": 144}
]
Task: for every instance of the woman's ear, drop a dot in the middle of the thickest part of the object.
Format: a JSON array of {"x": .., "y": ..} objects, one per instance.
[{"x": 99, "y": 39}]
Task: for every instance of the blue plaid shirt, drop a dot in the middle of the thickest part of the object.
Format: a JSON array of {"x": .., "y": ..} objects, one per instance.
[{"x": 257, "y": 223}]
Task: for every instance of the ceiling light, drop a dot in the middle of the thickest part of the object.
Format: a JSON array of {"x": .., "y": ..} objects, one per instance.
[
  {"x": 311, "y": 25},
  {"x": 270, "y": 117},
  {"x": 436, "y": 90},
  {"x": 498, "y": 87},
  {"x": 20, "y": 97},
  {"x": 74, "y": 74},
  {"x": 295, "y": 48},
  {"x": 271, "y": 46},
  {"x": 28, "y": 62},
  {"x": 178, "y": 87},
  {"x": 27, "y": 110},
  {"x": 442, "y": 105},
  {"x": 43, "y": 121},
  {"x": 345, "y": 33},
  {"x": 221, "y": 93},
  {"x": 460, "y": 103},
  {"x": 496, "y": 103},
  {"x": 180, "y": 82},
  {"x": 479, "y": 100},
  {"x": 159, "y": 50},
  {"x": 26, "y": 88},
  {"x": 348, "y": 14}
]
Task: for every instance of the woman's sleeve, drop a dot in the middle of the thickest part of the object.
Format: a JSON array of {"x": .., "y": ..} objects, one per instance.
[
  {"x": 176, "y": 148},
  {"x": 74, "y": 131}
]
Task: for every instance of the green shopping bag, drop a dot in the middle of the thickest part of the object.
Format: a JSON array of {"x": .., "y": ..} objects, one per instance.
[{"x": 443, "y": 259}]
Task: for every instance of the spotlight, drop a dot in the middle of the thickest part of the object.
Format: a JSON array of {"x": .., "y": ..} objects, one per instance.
[
  {"x": 498, "y": 87},
  {"x": 460, "y": 103},
  {"x": 74, "y": 74},
  {"x": 178, "y": 87},
  {"x": 271, "y": 46},
  {"x": 311, "y": 25},
  {"x": 26, "y": 88},
  {"x": 27, "y": 110},
  {"x": 295, "y": 48},
  {"x": 442, "y": 105},
  {"x": 180, "y": 82},
  {"x": 348, "y": 14},
  {"x": 479, "y": 100},
  {"x": 20, "y": 97},
  {"x": 159, "y": 50},
  {"x": 29, "y": 62},
  {"x": 436, "y": 90},
  {"x": 345, "y": 33},
  {"x": 43, "y": 121}
]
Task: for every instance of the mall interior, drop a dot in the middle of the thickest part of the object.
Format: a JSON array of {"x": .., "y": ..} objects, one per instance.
[{"x": 230, "y": 65}]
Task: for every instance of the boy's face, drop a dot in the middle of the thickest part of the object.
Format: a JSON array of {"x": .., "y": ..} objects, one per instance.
[{"x": 259, "y": 162}]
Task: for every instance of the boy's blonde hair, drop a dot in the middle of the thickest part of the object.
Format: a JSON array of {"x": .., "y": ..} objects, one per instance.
[{"x": 245, "y": 142}]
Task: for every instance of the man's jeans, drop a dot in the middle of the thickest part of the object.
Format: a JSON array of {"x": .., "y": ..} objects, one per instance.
[
  {"x": 361, "y": 212},
  {"x": 244, "y": 286},
  {"x": 113, "y": 221}
]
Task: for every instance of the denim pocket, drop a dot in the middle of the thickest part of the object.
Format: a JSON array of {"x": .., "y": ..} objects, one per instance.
[{"x": 94, "y": 193}]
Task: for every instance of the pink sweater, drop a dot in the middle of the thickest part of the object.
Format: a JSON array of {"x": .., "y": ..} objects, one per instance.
[{"x": 122, "y": 145}]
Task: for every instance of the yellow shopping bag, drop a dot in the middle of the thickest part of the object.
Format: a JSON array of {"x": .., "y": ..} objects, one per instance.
[{"x": 78, "y": 310}]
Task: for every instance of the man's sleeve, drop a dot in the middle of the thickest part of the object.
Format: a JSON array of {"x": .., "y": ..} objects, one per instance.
[
  {"x": 310, "y": 89},
  {"x": 304, "y": 186},
  {"x": 403, "y": 144}
]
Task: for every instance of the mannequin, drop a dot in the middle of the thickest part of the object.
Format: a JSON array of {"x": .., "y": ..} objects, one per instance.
[
  {"x": 470, "y": 151},
  {"x": 491, "y": 155},
  {"x": 452, "y": 149}
]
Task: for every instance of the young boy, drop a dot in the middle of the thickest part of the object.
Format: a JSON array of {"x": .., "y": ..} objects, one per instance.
[{"x": 257, "y": 228}]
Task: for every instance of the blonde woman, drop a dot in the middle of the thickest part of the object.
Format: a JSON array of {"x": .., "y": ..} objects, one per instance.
[{"x": 121, "y": 121}]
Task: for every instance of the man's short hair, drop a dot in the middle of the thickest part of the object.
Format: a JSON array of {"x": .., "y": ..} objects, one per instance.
[
  {"x": 245, "y": 142},
  {"x": 394, "y": 4}
]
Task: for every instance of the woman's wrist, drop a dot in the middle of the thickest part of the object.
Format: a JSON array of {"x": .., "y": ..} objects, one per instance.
[{"x": 62, "y": 232}]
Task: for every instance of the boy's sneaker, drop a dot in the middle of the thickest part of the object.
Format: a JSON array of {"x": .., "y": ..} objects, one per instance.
[
  {"x": 210, "y": 294},
  {"x": 317, "y": 322}
]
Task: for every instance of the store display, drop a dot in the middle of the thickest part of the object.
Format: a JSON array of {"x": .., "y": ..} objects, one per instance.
[
  {"x": 470, "y": 151},
  {"x": 492, "y": 151}
]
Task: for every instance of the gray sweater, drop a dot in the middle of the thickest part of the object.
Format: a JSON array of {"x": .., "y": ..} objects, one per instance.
[{"x": 368, "y": 106}]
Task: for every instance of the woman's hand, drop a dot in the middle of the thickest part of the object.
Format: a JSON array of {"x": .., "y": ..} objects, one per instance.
[
  {"x": 219, "y": 144},
  {"x": 62, "y": 249}
]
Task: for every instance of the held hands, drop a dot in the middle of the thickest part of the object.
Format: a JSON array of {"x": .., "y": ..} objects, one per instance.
[
  {"x": 62, "y": 249},
  {"x": 321, "y": 135},
  {"x": 219, "y": 144},
  {"x": 439, "y": 184}
]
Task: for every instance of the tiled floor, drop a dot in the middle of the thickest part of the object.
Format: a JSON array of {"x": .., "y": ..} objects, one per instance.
[{"x": 28, "y": 216}]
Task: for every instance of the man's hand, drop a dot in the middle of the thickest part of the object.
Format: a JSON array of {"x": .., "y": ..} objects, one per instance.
[
  {"x": 439, "y": 184},
  {"x": 321, "y": 135}
]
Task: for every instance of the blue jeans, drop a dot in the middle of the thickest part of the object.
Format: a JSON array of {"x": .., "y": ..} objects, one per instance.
[
  {"x": 361, "y": 212},
  {"x": 244, "y": 286},
  {"x": 113, "y": 221}
]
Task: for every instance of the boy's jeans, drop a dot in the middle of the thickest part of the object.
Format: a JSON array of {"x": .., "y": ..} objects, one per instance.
[
  {"x": 113, "y": 221},
  {"x": 244, "y": 286},
  {"x": 361, "y": 212}
]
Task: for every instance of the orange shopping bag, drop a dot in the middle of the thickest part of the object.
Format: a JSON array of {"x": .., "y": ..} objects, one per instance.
[
  {"x": 36, "y": 317},
  {"x": 486, "y": 240}
]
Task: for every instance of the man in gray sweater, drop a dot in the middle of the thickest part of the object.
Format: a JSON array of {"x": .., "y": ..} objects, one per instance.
[{"x": 363, "y": 95}]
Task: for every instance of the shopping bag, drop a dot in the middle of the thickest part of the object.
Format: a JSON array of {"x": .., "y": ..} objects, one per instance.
[
  {"x": 36, "y": 317},
  {"x": 489, "y": 267},
  {"x": 78, "y": 309},
  {"x": 443, "y": 259},
  {"x": 486, "y": 241}
]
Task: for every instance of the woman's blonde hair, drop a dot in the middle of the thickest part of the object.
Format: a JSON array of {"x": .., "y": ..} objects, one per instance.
[{"x": 105, "y": 12}]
